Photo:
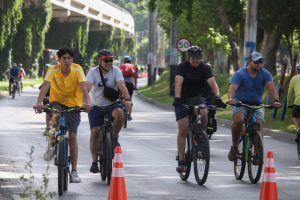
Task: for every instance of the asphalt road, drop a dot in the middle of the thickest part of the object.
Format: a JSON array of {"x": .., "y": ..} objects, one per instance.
[{"x": 149, "y": 149}]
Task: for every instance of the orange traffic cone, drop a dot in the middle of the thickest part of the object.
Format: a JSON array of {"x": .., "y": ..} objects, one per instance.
[
  {"x": 117, "y": 189},
  {"x": 269, "y": 187}
]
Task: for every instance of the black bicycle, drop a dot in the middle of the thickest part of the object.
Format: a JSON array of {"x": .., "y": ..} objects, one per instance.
[
  {"x": 250, "y": 147},
  {"x": 61, "y": 153},
  {"x": 197, "y": 147},
  {"x": 125, "y": 112},
  {"x": 212, "y": 122},
  {"x": 105, "y": 146}
]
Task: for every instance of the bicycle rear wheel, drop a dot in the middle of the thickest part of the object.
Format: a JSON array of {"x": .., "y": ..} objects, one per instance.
[
  {"x": 256, "y": 157},
  {"x": 125, "y": 118},
  {"x": 13, "y": 92},
  {"x": 240, "y": 162},
  {"x": 187, "y": 159},
  {"x": 60, "y": 167},
  {"x": 201, "y": 156},
  {"x": 107, "y": 161}
]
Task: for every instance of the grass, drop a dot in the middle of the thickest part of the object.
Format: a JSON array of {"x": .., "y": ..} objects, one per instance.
[
  {"x": 26, "y": 83},
  {"x": 159, "y": 91}
]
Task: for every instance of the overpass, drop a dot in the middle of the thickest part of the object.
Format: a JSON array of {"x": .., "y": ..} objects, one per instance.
[{"x": 103, "y": 13}]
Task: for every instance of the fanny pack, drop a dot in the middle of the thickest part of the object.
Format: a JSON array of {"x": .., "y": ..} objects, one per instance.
[{"x": 108, "y": 92}]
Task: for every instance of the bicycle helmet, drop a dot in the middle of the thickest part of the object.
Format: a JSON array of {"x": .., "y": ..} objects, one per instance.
[
  {"x": 104, "y": 53},
  {"x": 195, "y": 51},
  {"x": 127, "y": 59}
]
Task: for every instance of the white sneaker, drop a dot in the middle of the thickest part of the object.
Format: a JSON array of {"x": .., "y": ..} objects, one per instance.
[
  {"x": 74, "y": 177},
  {"x": 48, "y": 155}
]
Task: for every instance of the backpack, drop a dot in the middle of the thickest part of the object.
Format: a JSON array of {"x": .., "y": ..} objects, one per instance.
[{"x": 128, "y": 69}]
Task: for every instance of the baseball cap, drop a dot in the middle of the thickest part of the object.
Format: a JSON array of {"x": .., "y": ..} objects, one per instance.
[{"x": 255, "y": 56}]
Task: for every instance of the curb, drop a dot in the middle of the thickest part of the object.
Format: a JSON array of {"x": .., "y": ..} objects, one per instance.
[{"x": 276, "y": 134}]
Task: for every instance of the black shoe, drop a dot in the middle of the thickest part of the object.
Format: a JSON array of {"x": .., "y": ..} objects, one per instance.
[
  {"x": 94, "y": 168},
  {"x": 180, "y": 168}
]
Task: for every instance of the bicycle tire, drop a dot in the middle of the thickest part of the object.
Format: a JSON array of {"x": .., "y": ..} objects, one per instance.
[
  {"x": 60, "y": 167},
  {"x": 201, "y": 154},
  {"x": 254, "y": 171},
  {"x": 187, "y": 160},
  {"x": 18, "y": 88},
  {"x": 13, "y": 92},
  {"x": 240, "y": 163},
  {"x": 125, "y": 118},
  {"x": 107, "y": 161},
  {"x": 298, "y": 149},
  {"x": 66, "y": 169}
]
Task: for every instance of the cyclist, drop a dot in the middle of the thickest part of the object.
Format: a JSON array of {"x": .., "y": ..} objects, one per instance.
[
  {"x": 68, "y": 89},
  {"x": 191, "y": 77},
  {"x": 293, "y": 99},
  {"x": 21, "y": 75},
  {"x": 114, "y": 80},
  {"x": 13, "y": 76},
  {"x": 130, "y": 74},
  {"x": 247, "y": 85}
]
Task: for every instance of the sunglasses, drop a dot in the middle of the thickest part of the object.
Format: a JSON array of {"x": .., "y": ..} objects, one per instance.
[
  {"x": 259, "y": 61},
  {"x": 108, "y": 60}
]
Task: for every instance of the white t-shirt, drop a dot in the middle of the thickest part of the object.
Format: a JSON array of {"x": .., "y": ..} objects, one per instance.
[{"x": 111, "y": 78}]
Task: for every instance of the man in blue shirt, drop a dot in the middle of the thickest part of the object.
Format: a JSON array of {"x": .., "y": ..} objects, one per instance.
[
  {"x": 13, "y": 74},
  {"x": 247, "y": 85}
]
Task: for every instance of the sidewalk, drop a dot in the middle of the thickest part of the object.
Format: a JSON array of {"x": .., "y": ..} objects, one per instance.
[{"x": 278, "y": 135}]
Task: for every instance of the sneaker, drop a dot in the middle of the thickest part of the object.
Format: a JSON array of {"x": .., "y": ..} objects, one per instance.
[
  {"x": 94, "y": 168},
  {"x": 129, "y": 117},
  {"x": 232, "y": 153},
  {"x": 48, "y": 155},
  {"x": 180, "y": 168},
  {"x": 74, "y": 177}
]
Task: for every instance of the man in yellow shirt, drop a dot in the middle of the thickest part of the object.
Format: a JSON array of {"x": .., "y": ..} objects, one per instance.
[
  {"x": 68, "y": 89},
  {"x": 293, "y": 99}
]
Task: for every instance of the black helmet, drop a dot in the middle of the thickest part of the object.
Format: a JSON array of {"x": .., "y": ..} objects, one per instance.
[
  {"x": 127, "y": 59},
  {"x": 104, "y": 53},
  {"x": 195, "y": 51}
]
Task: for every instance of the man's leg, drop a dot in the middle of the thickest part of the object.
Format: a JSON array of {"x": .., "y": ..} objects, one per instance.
[
  {"x": 204, "y": 117},
  {"x": 297, "y": 126},
  {"x": 118, "y": 116},
  {"x": 236, "y": 129},
  {"x": 182, "y": 125}
]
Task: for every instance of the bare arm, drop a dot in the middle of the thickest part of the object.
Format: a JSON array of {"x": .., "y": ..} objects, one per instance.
[
  {"x": 85, "y": 93},
  {"x": 272, "y": 90},
  {"x": 178, "y": 86},
  {"x": 231, "y": 92},
  {"x": 214, "y": 86},
  {"x": 123, "y": 89},
  {"x": 43, "y": 91}
]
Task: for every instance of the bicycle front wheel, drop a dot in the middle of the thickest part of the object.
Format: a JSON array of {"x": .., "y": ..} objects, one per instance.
[
  {"x": 187, "y": 159},
  {"x": 201, "y": 156},
  {"x": 125, "y": 118},
  {"x": 107, "y": 161},
  {"x": 240, "y": 162},
  {"x": 256, "y": 157},
  {"x": 60, "y": 167}
]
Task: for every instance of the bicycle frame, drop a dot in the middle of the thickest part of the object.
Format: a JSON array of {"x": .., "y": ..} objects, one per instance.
[{"x": 250, "y": 122}]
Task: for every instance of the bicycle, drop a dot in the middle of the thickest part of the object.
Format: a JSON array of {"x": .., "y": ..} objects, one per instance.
[
  {"x": 197, "y": 147},
  {"x": 15, "y": 87},
  {"x": 212, "y": 122},
  {"x": 61, "y": 154},
  {"x": 125, "y": 115},
  {"x": 106, "y": 146},
  {"x": 250, "y": 147}
]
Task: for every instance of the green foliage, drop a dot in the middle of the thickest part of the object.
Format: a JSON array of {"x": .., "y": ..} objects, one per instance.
[
  {"x": 30, "y": 190},
  {"x": 141, "y": 51}
]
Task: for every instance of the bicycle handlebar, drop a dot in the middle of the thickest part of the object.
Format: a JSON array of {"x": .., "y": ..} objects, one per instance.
[
  {"x": 239, "y": 104},
  {"x": 49, "y": 108}
]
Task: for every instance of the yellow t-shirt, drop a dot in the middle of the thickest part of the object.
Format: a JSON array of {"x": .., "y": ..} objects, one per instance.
[{"x": 66, "y": 90}]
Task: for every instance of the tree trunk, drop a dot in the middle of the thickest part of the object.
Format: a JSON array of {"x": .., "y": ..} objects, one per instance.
[
  {"x": 229, "y": 32},
  {"x": 269, "y": 48}
]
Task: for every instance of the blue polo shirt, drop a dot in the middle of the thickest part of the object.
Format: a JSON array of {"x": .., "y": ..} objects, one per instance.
[{"x": 250, "y": 89}]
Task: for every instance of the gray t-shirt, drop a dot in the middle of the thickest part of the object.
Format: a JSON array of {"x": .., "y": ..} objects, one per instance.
[{"x": 111, "y": 78}]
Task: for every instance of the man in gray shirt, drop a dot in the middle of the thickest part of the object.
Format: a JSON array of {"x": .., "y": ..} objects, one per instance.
[{"x": 113, "y": 79}]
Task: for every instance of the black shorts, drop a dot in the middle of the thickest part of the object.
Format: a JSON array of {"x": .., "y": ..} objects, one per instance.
[
  {"x": 182, "y": 112},
  {"x": 130, "y": 88},
  {"x": 296, "y": 111}
]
